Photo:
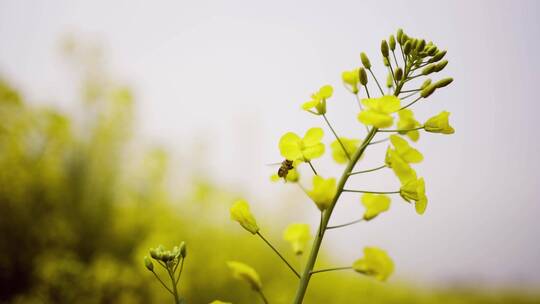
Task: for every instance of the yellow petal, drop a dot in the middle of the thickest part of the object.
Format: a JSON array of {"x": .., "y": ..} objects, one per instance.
[
  {"x": 240, "y": 212},
  {"x": 376, "y": 119},
  {"x": 375, "y": 263},
  {"x": 298, "y": 236},
  {"x": 375, "y": 204},
  {"x": 289, "y": 146},
  {"x": 244, "y": 272}
]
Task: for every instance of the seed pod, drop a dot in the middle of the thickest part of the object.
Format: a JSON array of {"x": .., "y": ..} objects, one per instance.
[
  {"x": 420, "y": 46},
  {"x": 407, "y": 47},
  {"x": 443, "y": 82},
  {"x": 441, "y": 65},
  {"x": 148, "y": 263},
  {"x": 428, "y": 91},
  {"x": 384, "y": 49},
  {"x": 438, "y": 56},
  {"x": 399, "y": 36},
  {"x": 429, "y": 69},
  {"x": 425, "y": 84},
  {"x": 398, "y": 74},
  {"x": 362, "y": 75},
  {"x": 365, "y": 60},
  {"x": 392, "y": 42}
]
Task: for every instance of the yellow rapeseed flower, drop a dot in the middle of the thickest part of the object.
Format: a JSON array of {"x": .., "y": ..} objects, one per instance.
[
  {"x": 375, "y": 204},
  {"x": 351, "y": 80},
  {"x": 405, "y": 151},
  {"x": 415, "y": 190},
  {"x": 378, "y": 112},
  {"x": 323, "y": 191},
  {"x": 406, "y": 122},
  {"x": 337, "y": 151},
  {"x": 294, "y": 148},
  {"x": 317, "y": 104},
  {"x": 375, "y": 263},
  {"x": 244, "y": 272},
  {"x": 439, "y": 124},
  {"x": 240, "y": 212},
  {"x": 298, "y": 235}
]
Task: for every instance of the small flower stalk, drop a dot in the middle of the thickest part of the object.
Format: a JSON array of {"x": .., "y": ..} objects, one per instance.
[{"x": 172, "y": 262}]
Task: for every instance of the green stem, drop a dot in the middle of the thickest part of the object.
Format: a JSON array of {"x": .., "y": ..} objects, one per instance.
[
  {"x": 405, "y": 130},
  {"x": 376, "y": 81},
  {"x": 306, "y": 275},
  {"x": 312, "y": 168},
  {"x": 162, "y": 283},
  {"x": 174, "y": 288},
  {"x": 367, "y": 91},
  {"x": 413, "y": 102},
  {"x": 369, "y": 170},
  {"x": 337, "y": 137},
  {"x": 331, "y": 269},
  {"x": 346, "y": 224},
  {"x": 263, "y": 297},
  {"x": 379, "y": 141},
  {"x": 180, "y": 271},
  {"x": 279, "y": 254},
  {"x": 372, "y": 192}
]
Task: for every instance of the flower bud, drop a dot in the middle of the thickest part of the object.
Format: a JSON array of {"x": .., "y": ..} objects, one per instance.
[
  {"x": 443, "y": 82},
  {"x": 362, "y": 75},
  {"x": 154, "y": 253},
  {"x": 240, "y": 212},
  {"x": 386, "y": 62},
  {"x": 407, "y": 47},
  {"x": 425, "y": 84},
  {"x": 437, "y": 57},
  {"x": 392, "y": 42},
  {"x": 432, "y": 50},
  {"x": 427, "y": 91},
  {"x": 429, "y": 69},
  {"x": 398, "y": 74},
  {"x": 389, "y": 80},
  {"x": 441, "y": 65},
  {"x": 183, "y": 249},
  {"x": 384, "y": 49},
  {"x": 420, "y": 46},
  {"x": 414, "y": 43},
  {"x": 148, "y": 263},
  {"x": 365, "y": 60},
  {"x": 439, "y": 124},
  {"x": 399, "y": 35},
  {"x": 404, "y": 38}
]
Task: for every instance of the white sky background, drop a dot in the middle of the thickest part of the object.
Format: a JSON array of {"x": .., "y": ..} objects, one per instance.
[{"x": 234, "y": 73}]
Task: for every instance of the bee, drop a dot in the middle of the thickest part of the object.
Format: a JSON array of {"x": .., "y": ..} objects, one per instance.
[{"x": 286, "y": 165}]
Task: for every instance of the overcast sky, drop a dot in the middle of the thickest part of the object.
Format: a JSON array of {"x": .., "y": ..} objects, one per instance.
[{"x": 234, "y": 73}]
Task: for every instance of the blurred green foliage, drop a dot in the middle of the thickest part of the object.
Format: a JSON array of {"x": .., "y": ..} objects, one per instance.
[{"x": 79, "y": 208}]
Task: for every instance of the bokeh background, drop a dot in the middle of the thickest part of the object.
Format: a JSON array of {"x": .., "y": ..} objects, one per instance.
[{"x": 127, "y": 124}]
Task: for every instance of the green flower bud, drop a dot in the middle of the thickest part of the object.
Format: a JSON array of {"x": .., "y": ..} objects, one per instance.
[
  {"x": 437, "y": 57},
  {"x": 398, "y": 74},
  {"x": 420, "y": 46},
  {"x": 148, "y": 263},
  {"x": 441, "y": 65},
  {"x": 384, "y": 49},
  {"x": 386, "y": 62},
  {"x": 154, "y": 253},
  {"x": 427, "y": 91},
  {"x": 389, "y": 80},
  {"x": 407, "y": 47},
  {"x": 404, "y": 38},
  {"x": 432, "y": 50},
  {"x": 425, "y": 84},
  {"x": 429, "y": 69},
  {"x": 392, "y": 42},
  {"x": 362, "y": 75},
  {"x": 443, "y": 82},
  {"x": 365, "y": 60},
  {"x": 183, "y": 249},
  {"x": 399, "y": 36},
  {"x": 414, "y": 42}
]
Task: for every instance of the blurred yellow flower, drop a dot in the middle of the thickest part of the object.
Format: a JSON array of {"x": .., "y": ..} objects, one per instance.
[
  {"x": 401, "y": 168},
  {"x": 244, "y": 272},
  {"x": 317, "y": 104},
  {"x": 406, "y": 122},
  {"x": 374, "y": 204},
  {"x": 415, "y": 190},
  {"x": 294, "y": 148},
  {"x": 337, "y": 151},
  {"x": 240, "y": 212},
  {"x": 375, "y": 263},
  {"x": 298, "y": 235},
  {"x": 439, "y": 124},
  {"x": 323, "y": 191},
  {"x": 405, "y": 151},
  {"x": 378, "y": 112},
  {"x": 351, "y": 80},
  {"x": 220, "y": 302}
]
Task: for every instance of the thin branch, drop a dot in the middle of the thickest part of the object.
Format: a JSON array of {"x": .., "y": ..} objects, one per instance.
[
  {"x": 263, "y": 297},
  {"x": 312, "y": 168},
  {"x": 346, "y": 224},
  {"x": 404, "y": 130},
  {"x": 379, "y": 141},
  {"x": 376, "y": 81},
  {"x": 368, "y": 170},
  {"x": 372, "y": 192},
  {"x": 413, "y": 102},
  {"x": 279, "y": 254},
  {"x": 331, "y": 269},
  {"x": 337, "y": 137},
  {"x": 157, "y": 277}
]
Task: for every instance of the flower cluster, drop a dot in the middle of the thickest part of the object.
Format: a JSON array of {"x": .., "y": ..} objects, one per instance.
[{"x": 172, "y": 261}]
